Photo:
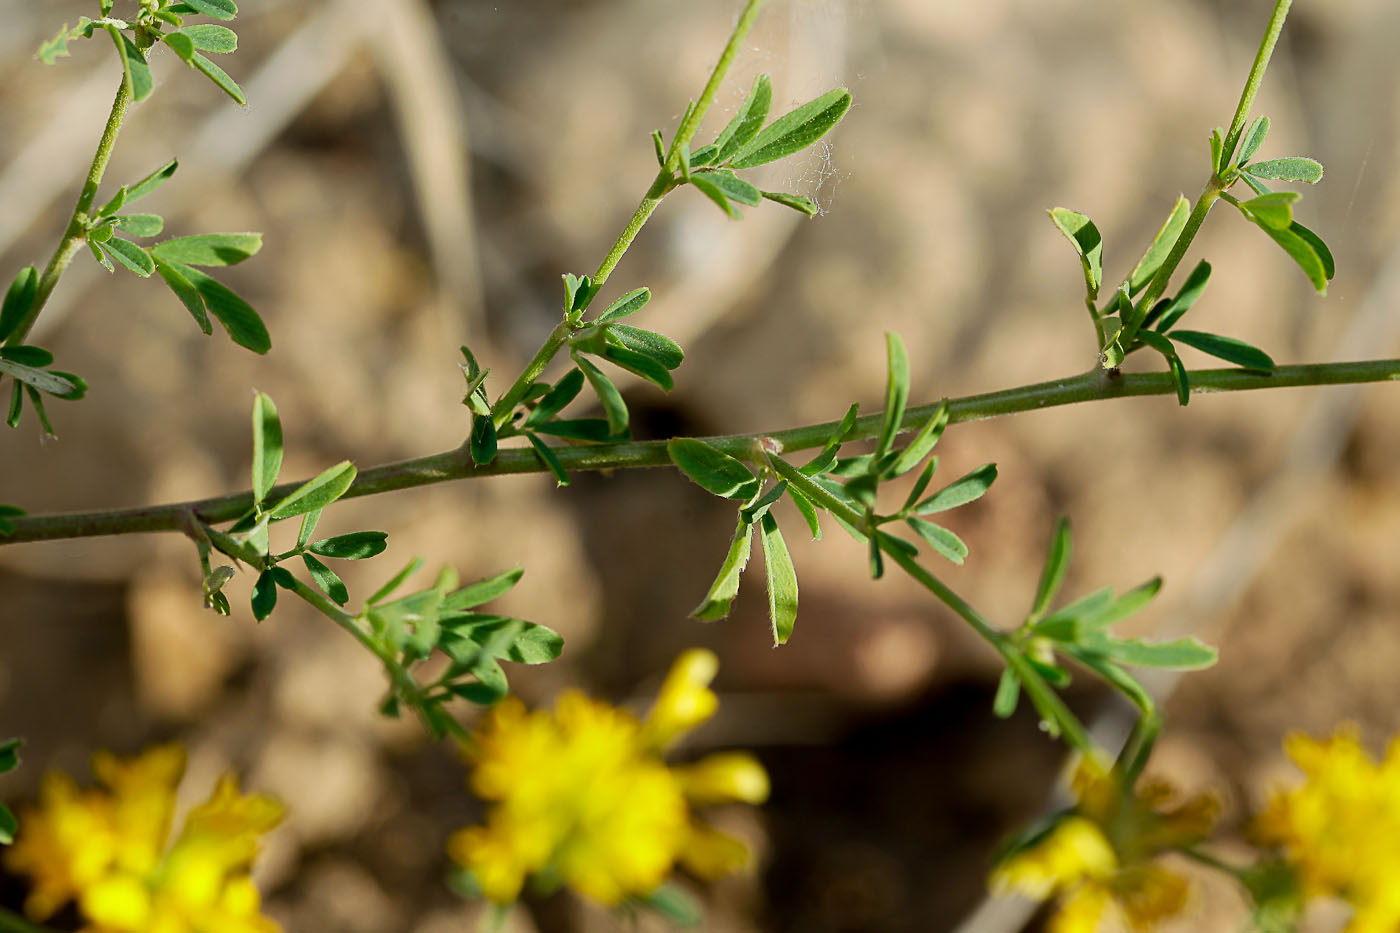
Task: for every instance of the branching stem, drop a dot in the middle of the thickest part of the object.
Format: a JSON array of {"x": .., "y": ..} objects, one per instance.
[
  {"x": 74, "y": 234},
  {"x": 457, "y": 463}
]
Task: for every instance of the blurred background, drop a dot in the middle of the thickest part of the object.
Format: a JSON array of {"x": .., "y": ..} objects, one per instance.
[{"x": 425, "y": 171}]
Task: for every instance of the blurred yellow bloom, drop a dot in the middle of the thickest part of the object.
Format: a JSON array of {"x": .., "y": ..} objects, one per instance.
[
  {"x": 106, "y": 849},
  {"x": 1340, "y": 830},
  {"x": 582, "y": 793},
  {"x": 1097, "y": 858}
]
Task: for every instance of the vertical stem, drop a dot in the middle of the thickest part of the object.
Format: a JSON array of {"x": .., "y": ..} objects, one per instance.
[
  {"x": 665, "y": 179},
  {"x": 1133, "y": 758},
  {"x": 1256, "y": 77},
  {"x": 1158, "y": 285},
  {"x": 505, "y": 405},
  {"x": 73, "y": 237}
]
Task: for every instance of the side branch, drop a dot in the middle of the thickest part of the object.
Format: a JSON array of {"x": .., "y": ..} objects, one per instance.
[{"x": 457, "y": 464}]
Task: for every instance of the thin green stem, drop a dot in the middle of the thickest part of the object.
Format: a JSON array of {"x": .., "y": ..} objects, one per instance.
[
  {"x": 11, "y": 922},
  {"x": 1046, "y": 699},
  {"x": 1158, "y": 285},
  {"x": 405, "y": 686},
  {"x": 74, "y": 234},
  {"x": 455, "y": 464},
  {"x": 1256, "y": 77},
  {"x": 505, "y": 405},
  {"x": 666, "y": 178},
  {"x": 1138, "y": 749}
]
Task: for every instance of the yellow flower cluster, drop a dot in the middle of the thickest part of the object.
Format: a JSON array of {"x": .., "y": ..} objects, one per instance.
[
  {"x": 1098, "y": 857},
  {"x": 582, "y": 793},
  {"x": 1340, "y": 830},
  {"x": 106, "y": 848}
]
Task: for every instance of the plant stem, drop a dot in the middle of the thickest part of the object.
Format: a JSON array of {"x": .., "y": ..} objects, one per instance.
[
  {"x": 1133, "y": 757},
  {"x": 1159, "y": 282},
  {"x": 505, "y": 405},
  {"x": 455, "y": 464},
  {"x": 1256, "y": 77},
  {"x": 73, "y": 237},
  {"x": 666, "y": 178},
  {"x": 11, "y": 922},
  {"x": 404, "y": 684},
  {"x": 1047, "y": 700}
]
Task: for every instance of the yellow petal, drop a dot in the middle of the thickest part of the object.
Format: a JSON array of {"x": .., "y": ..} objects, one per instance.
[
  {"x": 1081, "y": 911},
  {"x": 723, "y": 777},
  {"x": 710, "y": 854},
  {"x": 685, "y": 699},
  {"x": 118, "y": 903}
]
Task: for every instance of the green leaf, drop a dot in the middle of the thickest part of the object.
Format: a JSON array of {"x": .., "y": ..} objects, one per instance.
[
  {"x": 18, "y": 300},
  {"x": 1162, "y": 244},
  {"x": 808, "y": 512},
  {"x": 357, "y": 545},
  {"x": 1008, "y": 693},
  {"x": 235, "y": 314},
  {"x": 181, "y": 44},
  {"x": 1120, "y": 679},
  {"x": 553, "y": 401},
  {"x": 189, "y": 295},
  {"x": 1300, "y": 248},
  {"x": 794, "y": 131},
  {"x": 646, "y": 342},
  {"x": 1178, "y": 372},
  {"x": 745, "y": 124},
  {"x": 209, "y": 249},
  {"x": 1217, "y": 150},
  {"x": 596, "y": 430},
  {"x": 267, "y": 446},
  {"x": 578, "y": 292},
  {"x": 1273, "y": 210},
  {"x": 36, "y": 401},
  {"x": 759, "y": 507},
  {"x": 8, "y": 512},
  {"x": 52, "y": 49},
  {"x": 483, "y": 440},
  {"x": 316, "y": 493},
  {"x": 709, "y": 189},
  {"x": 9, "y": 749},
  {"x": 822, "y": 461},
  {"x": 923, "y": 443},
  {"x": 142, "y": 225},
  {"x": 702, "y": 156},
  {"x": 613, "y": 406},
  {"x": 220, "y": 77},
  {"x": 43, "y": 380},
  {"x": 219, "y": 40},
  {"x": 264, "y": 595},
  {"x": 129, "y": 254},
  {"x": 939, "y": 538},
  {"x": 782, "y": 581},
  {"x": 137, "y": 73},
  {"x": 959, "y": 492},
  {"x": 117, "y": 202},
  {"x": 1329, "y": 265},
  {"x": 1085, "y": 238},
  {"x": 734, "y": 187},
  {"x": 309, "y": 522},
  {"x": 1183, "y": 654},
  {"x": 548, "y": 458},
  {"x": 1293, "y": 168},
  {"x": 1254, "y": 138},
  {"x": 326, "y": 578},
  {"x": 8, "y": 825},
  {"x": 676, "y": 906},
  {"x": 725, "y": 587},
  {"x": 16, "y": 404},
  {"x": 795, "y": 201},
  {"x": 1191, "y": 291},
  {"x": 1226, "y": 348},
  {"x": 29, "y": 356},
  {"x": 530, "y": 643},
  {"x": 713, "y": 470},
  {"x": 1053, "y": 574},
  {"x": 151, "y": 182},
  {"x": 630, "y": 303},
  {"x": 101, "y": 257},
  {"x": 482, "y": 591},
  {"x": 216, "y": 9},
  {"x": 896, "y": 392},
  {"x": 641, "y": 365},
  {"x": 917, "y": 490},
  {"x": 1130, "y": 603}
]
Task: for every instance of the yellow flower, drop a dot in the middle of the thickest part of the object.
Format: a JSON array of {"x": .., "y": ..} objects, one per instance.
[
  {"x": 1098, "y": 857},
  {"x": 581, "y": 793},
  {"x": 106, "y": 849},
  {"x": 1340, "y": 830}
]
